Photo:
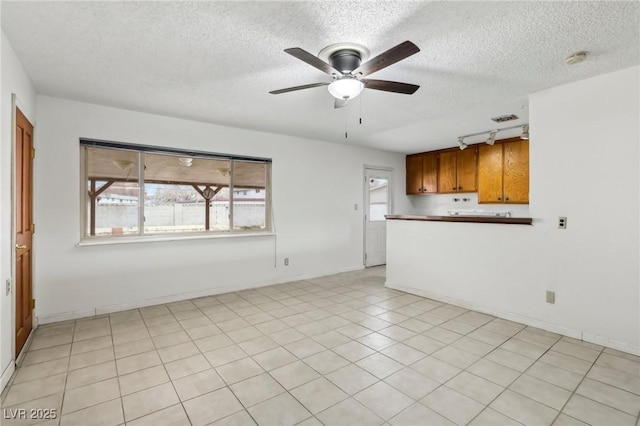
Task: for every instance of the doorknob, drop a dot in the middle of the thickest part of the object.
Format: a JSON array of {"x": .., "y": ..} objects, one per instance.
[{"x": 21, "y": 247}]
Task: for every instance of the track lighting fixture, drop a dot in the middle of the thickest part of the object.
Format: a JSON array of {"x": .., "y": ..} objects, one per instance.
[{"x": 491, "y": 139}]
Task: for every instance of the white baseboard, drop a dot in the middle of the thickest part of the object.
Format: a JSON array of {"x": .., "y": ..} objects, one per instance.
[
  {"x": 64, "y": 316},
  {"x": 11, "y": 368},
  {"x": 6, "y": 375},
  {"x": 533, "y": 322},
  {"x": 107, "y": 309}
]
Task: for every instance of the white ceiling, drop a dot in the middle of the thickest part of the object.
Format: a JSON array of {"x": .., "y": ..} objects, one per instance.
[{"x": 217, "y": 61}]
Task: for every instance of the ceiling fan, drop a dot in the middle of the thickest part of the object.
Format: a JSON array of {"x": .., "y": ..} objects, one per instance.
[{"x": 344, "y": 63}]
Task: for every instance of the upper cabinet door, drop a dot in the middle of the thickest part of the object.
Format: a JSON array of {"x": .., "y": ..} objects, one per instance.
[
  {"x": 447, "y": 181},
  {"x": 490, "y": 173},
  {"x": 414, "y": 174},
  {"x": 467, "y": 165},
  {"x": 516, "y": 172},
  {"x": 430, "y": 173}
]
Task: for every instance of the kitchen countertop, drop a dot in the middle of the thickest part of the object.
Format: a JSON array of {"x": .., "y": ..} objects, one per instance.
[{"x": 463, "y": 218}]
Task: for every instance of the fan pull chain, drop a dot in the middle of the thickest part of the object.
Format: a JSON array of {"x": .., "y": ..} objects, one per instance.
[
  {"x": 346, "y": 123},
  {"x": 360, "y": 109}
]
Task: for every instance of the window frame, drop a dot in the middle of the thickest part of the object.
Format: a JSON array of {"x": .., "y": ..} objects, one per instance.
[{"x": 141, "y": 236}]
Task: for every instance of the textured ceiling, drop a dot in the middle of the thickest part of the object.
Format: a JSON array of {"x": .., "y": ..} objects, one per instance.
[{"x": 217, "y": 61}]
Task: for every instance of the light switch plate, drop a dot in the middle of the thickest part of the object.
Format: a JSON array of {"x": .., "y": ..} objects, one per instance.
[{"x": 551, "y": 297}]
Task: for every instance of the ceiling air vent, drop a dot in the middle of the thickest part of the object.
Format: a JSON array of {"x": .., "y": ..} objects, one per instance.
[{"x": 504, "y": 118}]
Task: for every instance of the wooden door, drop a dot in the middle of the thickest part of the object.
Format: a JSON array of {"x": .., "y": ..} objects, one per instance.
[
  {"x": 23, "y": 228},
  {"x": 430, "y": 173},
  {"x": 447, "y": 181},
  {"x": 467, "y": 169},
  {"x": 516, "y": 172},
  {"x": 490, "y": 173},
  {"x": 414, "y": 174}
]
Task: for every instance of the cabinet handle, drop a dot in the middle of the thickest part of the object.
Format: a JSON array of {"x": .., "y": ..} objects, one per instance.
[
  {"x": 419, "y": 189},
  {"x": 499, "y": 198},
  {"x": 454, "y": 188},
  {"x": 506, "y": 199},
  {"x": 459, "y": 187},
  {"x": 21, "y": 247}
]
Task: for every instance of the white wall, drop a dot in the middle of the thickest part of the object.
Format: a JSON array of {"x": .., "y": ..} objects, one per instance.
[
  {"x": 315, "y": 187},
  {"x": 584, "y": 153},
  {"x": 14, "y": 80}
]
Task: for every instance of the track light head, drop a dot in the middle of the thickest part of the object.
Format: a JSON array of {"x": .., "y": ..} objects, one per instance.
[
  {"x": 462, "y": 144},
  {"x": 492, "y": 138},
  {"x": 525, "y": 132}
]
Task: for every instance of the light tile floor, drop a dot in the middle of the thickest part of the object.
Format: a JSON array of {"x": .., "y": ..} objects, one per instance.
[{"x": 337, "y": 350}]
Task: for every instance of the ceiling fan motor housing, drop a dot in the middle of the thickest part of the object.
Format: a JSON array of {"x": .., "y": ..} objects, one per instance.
[{"x": 345, "y": 61}]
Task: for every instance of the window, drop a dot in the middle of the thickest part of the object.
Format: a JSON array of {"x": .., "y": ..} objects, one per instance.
[
  {"x": 378, "y": 188},
  {"x": 136, "y": 190}
]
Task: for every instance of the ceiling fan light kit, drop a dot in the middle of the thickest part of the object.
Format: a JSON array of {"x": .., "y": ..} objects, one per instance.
[
  {"x": 344, "y": 63},
  {"x": 346, "y": 88}
]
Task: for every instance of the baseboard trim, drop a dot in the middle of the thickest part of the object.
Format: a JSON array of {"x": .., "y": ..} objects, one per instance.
[
  {"x": 107, "y": 309},
  {"x": 65, "y": 316},
  {"x": 522, "y": 319},
  {"x": 6, "y": 375}
]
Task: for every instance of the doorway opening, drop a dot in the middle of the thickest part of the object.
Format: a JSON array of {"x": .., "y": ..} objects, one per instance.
[{"x": 377, "y": 204}]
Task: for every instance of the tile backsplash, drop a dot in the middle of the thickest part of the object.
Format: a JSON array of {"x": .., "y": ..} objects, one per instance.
[{"x": 442, "y": 204}]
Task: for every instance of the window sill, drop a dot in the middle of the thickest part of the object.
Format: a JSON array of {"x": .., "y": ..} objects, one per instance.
[{"x": 100, "y": 241}]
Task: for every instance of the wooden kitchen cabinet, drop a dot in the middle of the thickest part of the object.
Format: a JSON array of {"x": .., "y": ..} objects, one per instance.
[
  {"x": 457, "y": 171},
  {"x": 516, "y": 172},
  {"x": 422, "y": 173},
  {"x": 503, "y": 172}
]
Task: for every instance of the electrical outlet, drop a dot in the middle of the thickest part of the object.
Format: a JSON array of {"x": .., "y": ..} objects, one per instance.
[
  {"x": 286, "y": 261},
  {"x": 551, "y": 297},
  {"x": 562, "y": 222},
  {"x": 355, "y": 207},
  {"x": 8, "y": 283}
]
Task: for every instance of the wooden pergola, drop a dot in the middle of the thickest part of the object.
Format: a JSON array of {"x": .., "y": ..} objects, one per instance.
[{"x": 207, "y": 176}]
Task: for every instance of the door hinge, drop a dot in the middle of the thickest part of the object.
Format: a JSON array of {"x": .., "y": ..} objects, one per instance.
[
  {"x": 33, "y": 228},
  {"x": 33, "y": 153},
  {"x": 33, "y": 303}
]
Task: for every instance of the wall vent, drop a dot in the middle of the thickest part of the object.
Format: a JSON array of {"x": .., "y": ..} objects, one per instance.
[{"x": 504, "y": 118}]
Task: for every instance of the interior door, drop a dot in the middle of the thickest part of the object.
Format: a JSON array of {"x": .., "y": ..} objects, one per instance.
[
  {"x": 23, "y": 228},
  {"x": 377, "y": 197}
]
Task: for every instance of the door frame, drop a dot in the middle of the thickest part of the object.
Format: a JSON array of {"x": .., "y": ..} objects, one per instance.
[
  {"x": 15, "y": 105},
  {"x": 365, "y": 190}
]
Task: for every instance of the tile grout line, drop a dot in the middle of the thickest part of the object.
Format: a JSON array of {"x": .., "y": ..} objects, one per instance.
[
  {"x": 66, "y": 379},
  {"x": 113, "y": 348},
  {"x": 561, "y": 411}
]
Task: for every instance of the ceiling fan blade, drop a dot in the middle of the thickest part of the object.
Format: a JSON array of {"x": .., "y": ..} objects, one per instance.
[
  {"x": 312, "y": 60},
  {"x": 390, "y": 57},
  {"x": 339, "y": 103},
  {"x": 293, "y": 89},
  {"x": 390, "y": 86}
]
